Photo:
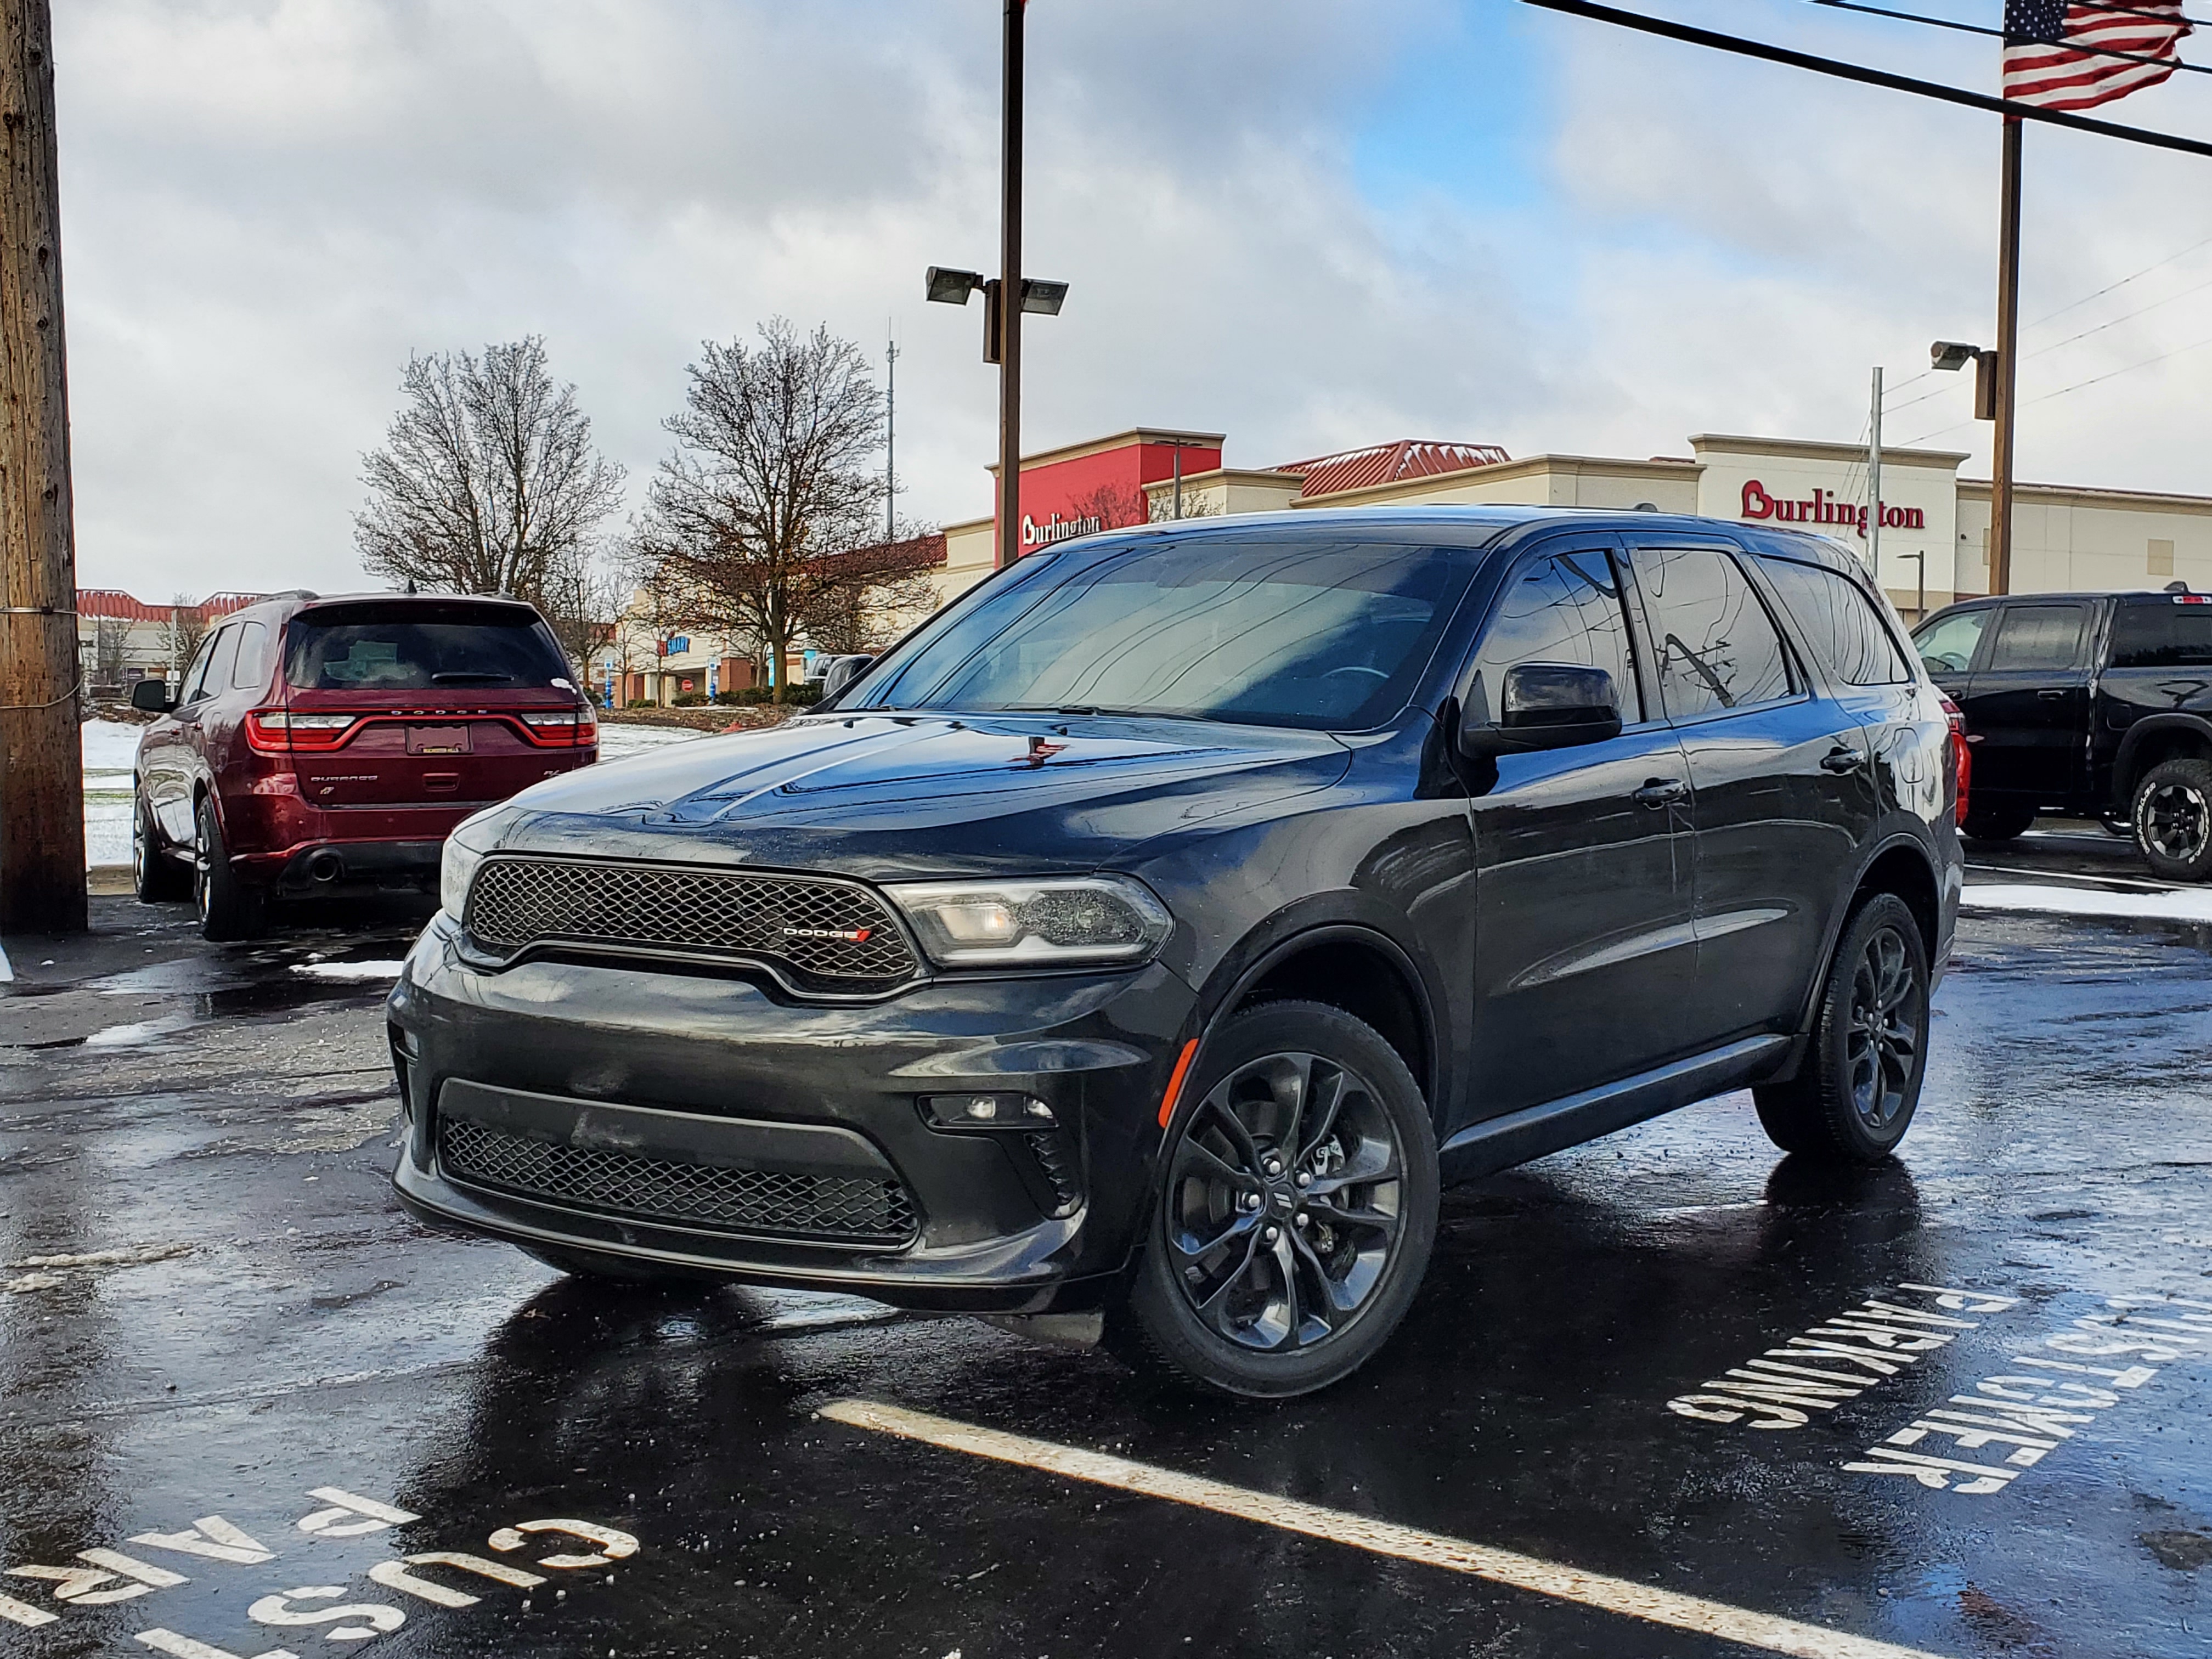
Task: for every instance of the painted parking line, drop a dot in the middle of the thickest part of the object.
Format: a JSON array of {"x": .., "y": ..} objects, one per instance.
[{"x": 1525, "y": 1572}]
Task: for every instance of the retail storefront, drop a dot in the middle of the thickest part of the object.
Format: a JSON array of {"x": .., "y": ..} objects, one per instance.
[{"x": 1933, "y": 534}]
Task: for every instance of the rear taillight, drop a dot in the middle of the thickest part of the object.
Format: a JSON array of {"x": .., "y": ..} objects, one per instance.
[
  {"x": 1962, "y": 757},
  {"x": 565, "y": 728},
  {"x": 280, "y": 731}
]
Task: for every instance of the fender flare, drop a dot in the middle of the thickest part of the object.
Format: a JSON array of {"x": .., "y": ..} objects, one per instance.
[
  {"x": 1320, "y": 921},
  {"x": 2123, "y": 778},
  {"x": 1809, "y": 1011}
]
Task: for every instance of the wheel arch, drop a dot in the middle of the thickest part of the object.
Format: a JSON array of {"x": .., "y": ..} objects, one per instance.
[
  {"x": 1901, "y": 866},
  {"x": 1353, "y": 966},
  {"x": 2152, "y": 740}
]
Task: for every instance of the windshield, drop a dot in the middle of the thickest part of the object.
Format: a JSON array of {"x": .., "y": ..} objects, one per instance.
[
  {"x": 418, "y": 647},
  {"x": 1264, "y": 630}
]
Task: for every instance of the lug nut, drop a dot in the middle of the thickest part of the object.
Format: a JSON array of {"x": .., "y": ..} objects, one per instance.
[
  {"x": 1305, "y": 1177},
  {"x": 1300, "y": 1218},
  {"x": 1273, "y": 1234},
  {"x": 1251, "y": 1201},
  {"x": 1274, "y": 1166}
]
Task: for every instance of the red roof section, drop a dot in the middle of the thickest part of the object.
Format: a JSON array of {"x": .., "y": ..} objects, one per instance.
[
  {"x": 1382, "y": 464},
  {"x": 114, "y": 603}
]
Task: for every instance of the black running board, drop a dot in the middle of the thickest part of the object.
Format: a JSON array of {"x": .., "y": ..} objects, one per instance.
[{"x": 1501, "y": 1142}]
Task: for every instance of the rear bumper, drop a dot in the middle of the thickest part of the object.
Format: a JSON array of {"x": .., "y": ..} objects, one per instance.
[{"x": 627, "y": 1082}]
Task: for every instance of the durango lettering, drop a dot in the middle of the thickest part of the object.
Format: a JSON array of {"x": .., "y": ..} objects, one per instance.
[{"x": 1824, "y": 508}]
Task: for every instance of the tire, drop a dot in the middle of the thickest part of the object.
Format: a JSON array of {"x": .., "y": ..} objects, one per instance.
[
  {"x": 1996, "y": 823},
  {"x": 1854, "y": 1096},
  {"x": 229, "y": 909},
  {"x": 1271, "y": 1302},
  {"x": 154, "y": 877},
  {"x": 2173, "y": 819}
]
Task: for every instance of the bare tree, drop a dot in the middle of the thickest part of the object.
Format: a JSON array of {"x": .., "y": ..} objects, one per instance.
[
  {"x": 582, "y": 596},
  {"x": 110, "y": 638},
  {"x": 1195, "y": 505},
  {"x": 187, "y": 628},
  {"x": 861, "y": 617},
  {"x": 488, "y": 479},
  {"x": 770, "y": 503}
]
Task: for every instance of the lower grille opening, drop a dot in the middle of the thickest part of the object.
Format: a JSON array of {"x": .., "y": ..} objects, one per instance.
[{"x": 813, "y": 1207}]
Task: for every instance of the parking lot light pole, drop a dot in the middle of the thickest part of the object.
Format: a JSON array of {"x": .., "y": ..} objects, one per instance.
[{"x": 1002, "y": 322}]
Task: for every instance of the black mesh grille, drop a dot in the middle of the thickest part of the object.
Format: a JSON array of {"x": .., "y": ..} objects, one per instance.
[
  {"x": 824, "y": 930},
  {"x": 697, "y": 1194}
]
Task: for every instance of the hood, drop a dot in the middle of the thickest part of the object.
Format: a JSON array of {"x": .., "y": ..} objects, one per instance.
[{"x": 882, "y": 797}]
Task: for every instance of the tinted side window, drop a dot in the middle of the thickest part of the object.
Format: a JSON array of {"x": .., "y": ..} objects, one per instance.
[
  {"x": 2033, "y": 637},
  {"x": 1718, "y": 647},
  {"x": 251, "y": 672},
  {"x": 2162, "y": 636},
  {"x": 219, "y": 661},
  {"x": 1947, "y": 645},
  {"x": 1841, "y": 626},
  {"x": 1564, "y": 609},
  {"x": 195, "y": 671}
]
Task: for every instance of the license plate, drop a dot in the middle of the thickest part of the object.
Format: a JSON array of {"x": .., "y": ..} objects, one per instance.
[{"x": 437, "y": 739}]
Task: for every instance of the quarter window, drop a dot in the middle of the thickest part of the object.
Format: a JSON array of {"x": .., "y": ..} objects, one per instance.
[
  {"x": 2037, "y": 636},
  {"x": 1842, "y": 627},
  {"x": 194, "y": 681},
  {"x": 252, "y": 671},
  {"x": 2162, "y": 636},
  {"x": 1564, "y": 609},
  {"x": 1718, "y": 647}
]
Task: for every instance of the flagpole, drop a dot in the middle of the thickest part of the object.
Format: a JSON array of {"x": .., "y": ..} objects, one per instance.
[
  {"x": 2008, "y": 365},
  {"x": 1009, "y": 300}
]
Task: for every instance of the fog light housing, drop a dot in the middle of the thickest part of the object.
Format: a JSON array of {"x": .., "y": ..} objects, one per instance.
[{"x": 988, "y": 1111}]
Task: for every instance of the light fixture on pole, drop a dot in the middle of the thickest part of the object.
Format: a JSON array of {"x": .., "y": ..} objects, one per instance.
[
  {"x": 1002, "y": 325},
  {"x": 1952, "y": 356},
  {"x": 1949, "y": 356}
]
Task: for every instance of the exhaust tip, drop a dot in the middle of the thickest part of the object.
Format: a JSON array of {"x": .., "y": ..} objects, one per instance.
[{"x": 326, "y": 866}]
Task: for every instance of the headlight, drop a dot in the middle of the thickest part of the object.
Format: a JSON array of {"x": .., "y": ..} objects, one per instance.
[
  {"x": 464, "y": 849},
  {"x": 1044, "y": 923}
]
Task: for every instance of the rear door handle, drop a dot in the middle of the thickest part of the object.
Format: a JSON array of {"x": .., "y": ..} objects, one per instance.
[
  {"x": 1840, "y": 760},
  {"x": 1659, "y": 792},
  {"x": 2050, "y": 696}
]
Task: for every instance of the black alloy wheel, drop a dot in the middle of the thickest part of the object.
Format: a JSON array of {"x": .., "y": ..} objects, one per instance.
[
  {"x": 155, "y": 878},
  {"x": 1297, "y": 1206},
  {"x": 229, "y": 909},
  {"x": 2173, "y": 819},
  {"x": 1858, "y": 1087}
]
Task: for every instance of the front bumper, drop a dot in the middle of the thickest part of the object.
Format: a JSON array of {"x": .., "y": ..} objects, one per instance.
[{"x": 629, "y": 1067}]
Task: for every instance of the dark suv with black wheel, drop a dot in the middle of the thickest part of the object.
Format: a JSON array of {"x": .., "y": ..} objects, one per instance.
[
  {"x": 2098, "y": 705},
  {"x": 1156, "y": 928}
]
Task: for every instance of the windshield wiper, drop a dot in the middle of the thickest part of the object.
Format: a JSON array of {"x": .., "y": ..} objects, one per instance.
[{"x": 471, "y": 678}]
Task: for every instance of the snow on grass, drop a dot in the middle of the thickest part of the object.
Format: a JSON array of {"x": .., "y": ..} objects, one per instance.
[
  {"x": 111, "y": 752},
  {"x": 2192, "y": 905},
  {"x": 619, "y": 742}
]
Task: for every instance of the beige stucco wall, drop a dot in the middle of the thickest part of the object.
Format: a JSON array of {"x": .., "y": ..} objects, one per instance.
[
  {"x": 968, "y": 548},
  {"x": 2073, "y": 540}
]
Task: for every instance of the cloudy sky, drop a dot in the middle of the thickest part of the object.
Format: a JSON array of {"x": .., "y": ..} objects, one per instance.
[{"x": 1308, "y": 223}]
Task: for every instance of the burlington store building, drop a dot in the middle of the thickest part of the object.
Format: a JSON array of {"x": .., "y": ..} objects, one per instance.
[{"x": 1934, "y": 534}]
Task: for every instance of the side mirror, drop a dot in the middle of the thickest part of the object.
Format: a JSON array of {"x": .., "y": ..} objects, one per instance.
[
  {"x": 153, "y": 696},
  {"x": 1549, "y": 706},
  {"x": 842, "y": 672}
]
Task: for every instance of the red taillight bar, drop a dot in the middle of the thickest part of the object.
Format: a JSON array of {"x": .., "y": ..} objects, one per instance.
[
  {"x": 280, "y": 731},
  {"x": 1962, "y": 757},
  {"x": 562, "y": 728}
]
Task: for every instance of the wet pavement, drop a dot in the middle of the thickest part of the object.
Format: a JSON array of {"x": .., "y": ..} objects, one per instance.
[{"x": 237, "y": 1375}]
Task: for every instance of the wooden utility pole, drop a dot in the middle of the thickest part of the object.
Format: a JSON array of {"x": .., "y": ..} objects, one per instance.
[
  {"x": 1010, "y": 296},
  {"x": 42, "y": 884},
  {"x": 2007, "y": 400}
]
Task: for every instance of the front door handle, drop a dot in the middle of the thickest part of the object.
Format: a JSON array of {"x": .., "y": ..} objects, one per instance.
[
  {"x": 2050, "y": 696},
  {"x": 1841, "y": 760},
  {"x": 1659, "y": 792}
]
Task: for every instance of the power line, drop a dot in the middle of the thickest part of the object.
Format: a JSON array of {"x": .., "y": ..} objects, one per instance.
[
  {"x": 1982, "y": 29},
  {"x": 2117, "y": 321},
  {"x": 2097, "y": 379},
  {"x": 2112, "y": 287}
]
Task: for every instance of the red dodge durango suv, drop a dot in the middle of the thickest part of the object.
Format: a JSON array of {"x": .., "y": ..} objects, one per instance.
[{"x": 327, "y": 745}]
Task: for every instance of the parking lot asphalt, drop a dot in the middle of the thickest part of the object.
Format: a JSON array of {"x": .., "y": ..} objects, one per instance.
[{"x": 1667, "y": 1394}]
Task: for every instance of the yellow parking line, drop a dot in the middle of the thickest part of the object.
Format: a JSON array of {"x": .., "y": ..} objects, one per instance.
[{"x": 1526, "y": 1572}]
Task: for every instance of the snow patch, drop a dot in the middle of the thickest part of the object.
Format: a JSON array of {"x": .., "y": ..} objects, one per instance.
[
  {"x": 2183, "y": 906},
  {"x": 348, "y": 969}
]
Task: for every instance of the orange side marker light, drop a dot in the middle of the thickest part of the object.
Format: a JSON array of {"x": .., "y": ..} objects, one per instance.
[{"x": 1174, "y": 1081}]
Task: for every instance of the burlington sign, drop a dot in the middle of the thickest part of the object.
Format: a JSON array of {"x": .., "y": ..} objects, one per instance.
[{"x": 1825, "y": 509}]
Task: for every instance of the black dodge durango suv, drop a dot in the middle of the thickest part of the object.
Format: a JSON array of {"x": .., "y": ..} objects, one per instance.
[{"x": 1157, "y": 927}]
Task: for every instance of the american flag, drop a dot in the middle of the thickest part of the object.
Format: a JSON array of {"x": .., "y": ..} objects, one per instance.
[{"x": 2075, "y": 54}]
